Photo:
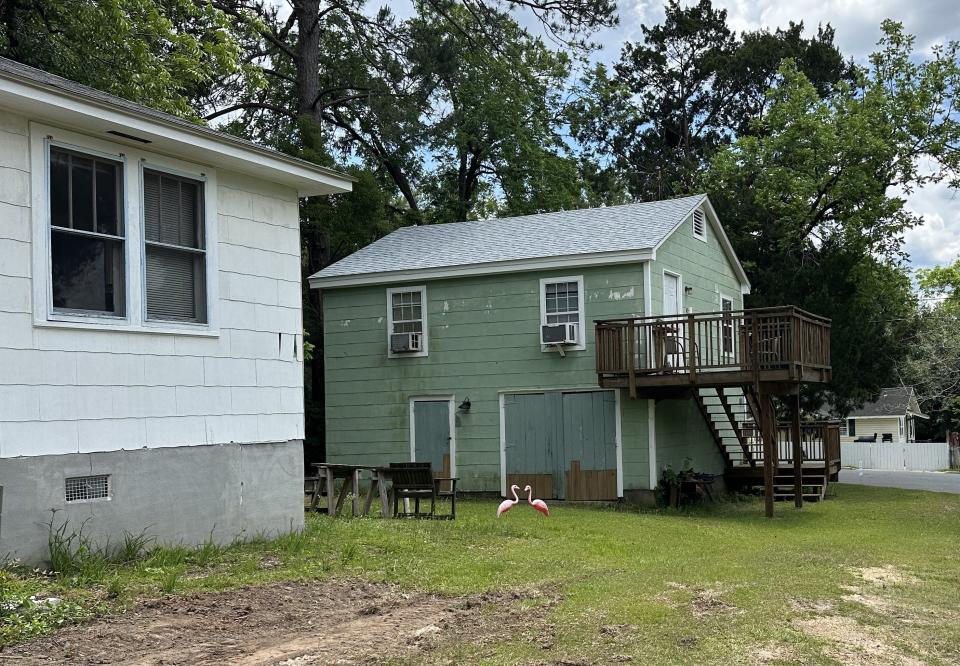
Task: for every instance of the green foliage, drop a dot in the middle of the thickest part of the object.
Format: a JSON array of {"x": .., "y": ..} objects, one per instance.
[
  {"x": 161, "y": 54},
  {"x": 809, "y": 199},
  {"x": 684, "y": 92},
  {"x": 941, "y": 282},
  {"x": 168, "y": 583}
]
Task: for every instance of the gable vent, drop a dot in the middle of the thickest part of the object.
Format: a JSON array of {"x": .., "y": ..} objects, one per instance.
[
  {"x": 699, "y": 224},
  {"x": 80, "y": 488}
]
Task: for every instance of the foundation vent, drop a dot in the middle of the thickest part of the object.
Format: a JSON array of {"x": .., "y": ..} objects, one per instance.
[{"x": 81, "y": 488}]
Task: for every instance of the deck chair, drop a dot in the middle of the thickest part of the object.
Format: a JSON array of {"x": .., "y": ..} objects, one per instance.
[{"x": 413, "y": 480}]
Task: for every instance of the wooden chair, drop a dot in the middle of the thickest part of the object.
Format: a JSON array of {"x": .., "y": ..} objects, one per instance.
[
  {"x": 415, "y": 481},
  {"x": 313, "y": 491}
]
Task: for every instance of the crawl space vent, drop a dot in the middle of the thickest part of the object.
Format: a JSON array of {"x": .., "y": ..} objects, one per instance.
[{"x": 81, "y": 488}]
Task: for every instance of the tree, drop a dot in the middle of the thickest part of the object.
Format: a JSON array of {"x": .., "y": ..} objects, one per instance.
[
  {"x": 941, "y": 282},
  {"x": 932, "y": 366},
  {"x": 160, "y": 54},
  {"x": 685, "y": 91},
  {"x": 809, "y": 202}
]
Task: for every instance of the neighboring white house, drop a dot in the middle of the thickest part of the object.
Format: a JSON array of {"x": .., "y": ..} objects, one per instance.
[
  {"x": 889, "y": 418},
  {"x": 151, "y": 367}
]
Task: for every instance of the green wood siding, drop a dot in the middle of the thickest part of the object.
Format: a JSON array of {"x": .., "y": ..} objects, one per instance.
[
  {"x": 484, "y": 340},
  {"x": 701, "y": 265}
]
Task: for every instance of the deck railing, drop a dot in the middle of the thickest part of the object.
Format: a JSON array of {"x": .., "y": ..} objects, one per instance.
[
  {"x": 820, "y": 442},
  {"x": 780, "y": 338}
]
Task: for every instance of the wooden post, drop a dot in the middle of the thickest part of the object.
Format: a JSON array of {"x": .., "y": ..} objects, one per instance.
[
  {"x": 331, "y": 497},
  {"x": 797, "y": 450},
  {"x": 691, "y": 348},
  {"x": 631, "y": 373},
  {"x": 768, "y": 434},
  {"x": 355, "y": 479}
]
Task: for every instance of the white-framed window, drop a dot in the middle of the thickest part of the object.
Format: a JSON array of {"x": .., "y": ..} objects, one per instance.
[
  {"x": 562, "y": 302},
  {"x": 174, "y": 248},
  {"x": 699, "y": 223},
  {"x": 407, "y": 331},
  {"x": 87, "y": 234},
  {"x": 726, "y": 325},
  {"x": 123, "y": 239}
]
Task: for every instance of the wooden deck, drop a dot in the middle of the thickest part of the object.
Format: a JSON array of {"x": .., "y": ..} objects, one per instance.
[
  {"x": 728, "y": 360},
  {"x": 777, "y": 346}
]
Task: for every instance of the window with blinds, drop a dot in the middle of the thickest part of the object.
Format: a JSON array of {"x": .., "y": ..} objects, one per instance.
[
  {"x": 86, "y": 233},
  {"x": 174, "y": 248}
]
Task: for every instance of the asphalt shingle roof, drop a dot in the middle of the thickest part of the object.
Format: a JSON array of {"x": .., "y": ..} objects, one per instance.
[
  {"x": 893, "y": 401},
  {"x": 629, "y": 227}
]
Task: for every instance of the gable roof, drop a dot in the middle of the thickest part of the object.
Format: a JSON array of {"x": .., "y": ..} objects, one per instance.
[
  {"x": 583, "y": 237},
  {"x": 56, "y": 100},
  {"x": 893, "y": 401}
]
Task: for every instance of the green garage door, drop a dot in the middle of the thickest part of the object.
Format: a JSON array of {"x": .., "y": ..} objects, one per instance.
[{"x": 562, "y": 443}]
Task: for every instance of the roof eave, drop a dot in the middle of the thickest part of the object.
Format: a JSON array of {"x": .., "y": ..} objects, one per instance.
[
  {"x": 74, "y": 110},
  {"x": 319, "y": 281}
]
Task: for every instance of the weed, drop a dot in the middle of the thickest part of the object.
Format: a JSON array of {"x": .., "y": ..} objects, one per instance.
[
  {"x": 132, "y": 548},
  {"x": 115, "y": 587},
  {"x": 72, "y": 553},
  {"x": 168, "y": 556},
  {"x": 207, "y": 551},
  {"x": 169, "y": 580},
  {"x": 292, "y": 543}
]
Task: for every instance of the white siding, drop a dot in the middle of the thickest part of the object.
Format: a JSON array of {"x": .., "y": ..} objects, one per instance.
[{"x": 75, "y": 390}]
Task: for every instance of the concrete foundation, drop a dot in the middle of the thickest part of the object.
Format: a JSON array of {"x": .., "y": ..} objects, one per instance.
[{"x": 177, "y": 495}]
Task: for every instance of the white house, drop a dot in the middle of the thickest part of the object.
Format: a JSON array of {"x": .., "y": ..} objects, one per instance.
[
  {"x": 151, "y": 367},
  {"x": 890, "y": 418}
]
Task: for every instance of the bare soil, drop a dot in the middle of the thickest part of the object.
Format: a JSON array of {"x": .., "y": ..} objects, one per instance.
[{"x": 295, "y": 624}]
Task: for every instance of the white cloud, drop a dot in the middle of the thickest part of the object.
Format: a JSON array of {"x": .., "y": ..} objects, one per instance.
[{"x": 937, "y": 240}]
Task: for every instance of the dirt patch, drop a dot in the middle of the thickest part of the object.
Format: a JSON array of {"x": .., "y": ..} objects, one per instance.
[
  {"x": 886, "y": 575},
  {"x": 707, "y": 601},
  {"x": 332, "y": 622},
  {"x": 853, "y": 643},
  {"x": 773, "y": 654}
]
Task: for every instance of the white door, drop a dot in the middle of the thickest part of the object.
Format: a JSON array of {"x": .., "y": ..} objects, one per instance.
[{"x": 671, "y": 294}]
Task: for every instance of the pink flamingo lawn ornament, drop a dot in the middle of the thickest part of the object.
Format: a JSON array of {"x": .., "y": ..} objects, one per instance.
[
  {"x": 506, "y": 504},
  {"x": 537, "y": 504}
]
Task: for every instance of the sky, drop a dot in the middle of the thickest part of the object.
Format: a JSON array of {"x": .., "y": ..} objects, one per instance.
[{"x": 857, "y": 24}]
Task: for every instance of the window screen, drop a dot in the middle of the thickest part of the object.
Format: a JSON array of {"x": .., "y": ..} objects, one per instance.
[
  {"x": 407, "y": 312},
  {"x": 87, "y": 487},
  {"x": 86, "y": 233},
  {"x": 175, "y": 270},
  {"x": 562, "y": 302}
]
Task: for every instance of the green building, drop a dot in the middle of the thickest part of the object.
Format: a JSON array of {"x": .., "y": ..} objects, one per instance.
[{"x": 473, "y": 345}]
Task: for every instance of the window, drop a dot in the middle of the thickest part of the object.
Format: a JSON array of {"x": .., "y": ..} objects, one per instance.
[
  {"x": 851, "y": 428},
  {"x": 407, "y": 314},
  {"x": 726, "y": 325},
  {"x": 120, "y": 248},
  {"x": 699, "y": 224},
  {"x": 81, "y": 488},
  {"x": 86, "y": 234},
  {"x": 561, "y": 302},
  {"x": 175, "y": 270}
]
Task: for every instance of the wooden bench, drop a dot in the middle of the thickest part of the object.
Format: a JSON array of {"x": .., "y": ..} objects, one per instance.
[{"x": 415, "y": 481}]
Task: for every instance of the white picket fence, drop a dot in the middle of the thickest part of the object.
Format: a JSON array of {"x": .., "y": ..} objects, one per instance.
[{"x": 919, "y": 456}]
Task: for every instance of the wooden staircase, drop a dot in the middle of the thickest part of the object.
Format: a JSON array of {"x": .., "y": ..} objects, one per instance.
[
  {"x": 815, "y": 483},
  {"x": 725, "y": 410}
]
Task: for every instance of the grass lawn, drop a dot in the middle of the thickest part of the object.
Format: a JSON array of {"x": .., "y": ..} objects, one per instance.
[{"x": 872, "y": 575}]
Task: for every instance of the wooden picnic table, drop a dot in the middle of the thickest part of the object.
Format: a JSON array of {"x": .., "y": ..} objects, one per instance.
[{"x": 379, "y": 481}]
